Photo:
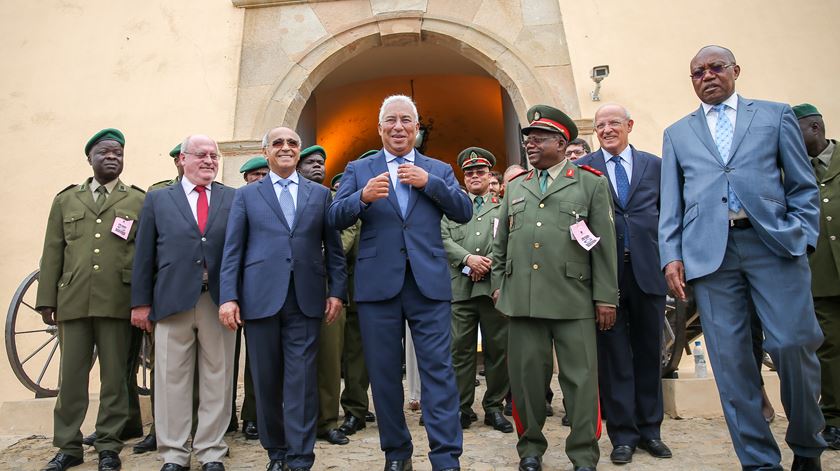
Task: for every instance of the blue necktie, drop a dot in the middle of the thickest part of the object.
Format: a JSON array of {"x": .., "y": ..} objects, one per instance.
[
  {"x": 287, "y": 203},
  {"x": 543, "y": 181},
  {"x": 402, "y": 190},
  {"x": 723, "y": 140},
  {"x": 479, "y": 200},
  {"x": 622, "y": 187}
]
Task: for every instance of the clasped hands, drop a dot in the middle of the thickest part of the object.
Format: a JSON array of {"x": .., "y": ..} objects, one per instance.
[
  {"x": 479, "y": 266},
  {"x": 379, "y": 186}
]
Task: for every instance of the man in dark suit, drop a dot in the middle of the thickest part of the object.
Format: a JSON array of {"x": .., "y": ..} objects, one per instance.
[
  {"x": 629, "y": 353},
  {"x": 280, "y": 254},
  {"x": 401, "y": 196},
  {"x": 739, "y": 214},
  {"x": 175, "y": 285}
]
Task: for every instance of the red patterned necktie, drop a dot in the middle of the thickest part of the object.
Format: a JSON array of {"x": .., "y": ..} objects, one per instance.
[{"x": 202, "y": 208}]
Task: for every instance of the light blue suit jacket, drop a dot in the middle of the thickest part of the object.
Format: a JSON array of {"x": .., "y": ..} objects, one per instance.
[
  {"x": 388, "y": 239},
  {"x": 768, "y": 169}
]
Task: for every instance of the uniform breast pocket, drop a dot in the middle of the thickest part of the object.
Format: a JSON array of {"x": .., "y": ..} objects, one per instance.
[
  {"x": 73, "y": 222},
  {"x": 126, "y": 219},
  {"x": 457, "y": 233},
  {"x": 516, "y": 216},
  {"x": 570, "y": 213}
]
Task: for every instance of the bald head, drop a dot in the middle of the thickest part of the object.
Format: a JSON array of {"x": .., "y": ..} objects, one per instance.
[
  {"x": 613, "y": 126},
  {"x": 200, "y": 159},
  {"x": 718, "y": 50}
]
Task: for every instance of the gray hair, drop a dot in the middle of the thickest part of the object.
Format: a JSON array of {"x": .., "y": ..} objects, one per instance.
[
  {"x": 605, "y": 105},
  {"x": 265, "y": 138},
  {"x": 398, "y": 99},
  {"x": 185, "y": 144}
]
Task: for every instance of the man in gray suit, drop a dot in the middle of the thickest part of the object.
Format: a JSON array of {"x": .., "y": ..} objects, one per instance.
[{"x": 734, "y": 228}]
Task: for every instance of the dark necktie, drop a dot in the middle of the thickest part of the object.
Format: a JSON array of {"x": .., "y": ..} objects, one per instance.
[
  {"x": 101, "y": 196},
  {"x": 402, "y": 190},
  {"x": 479, "y": 200},
  {"x": 287, "y": 203},
  {"x": 201, "y": 208},
  {"x": 622, "y": 187}
]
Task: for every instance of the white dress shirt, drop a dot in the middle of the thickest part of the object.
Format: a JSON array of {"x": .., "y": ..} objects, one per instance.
[
  {"x": 293, "y": 186},
  {"x": 626, "y": 162},
  {"x": 390, "y": 159},
  {"x": 192, "y": 195}
]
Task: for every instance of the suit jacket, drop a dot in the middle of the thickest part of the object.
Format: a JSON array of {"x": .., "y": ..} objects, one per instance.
[
  {"x": 262, "y": 252},
  {"x": 540, "y": 271},
  {"x": 640, "y": 215},
  {"x": 387, "y": 239},
  {"x": 172, "y": 254},
  {"x": 85, "y": 268},
  {"x": 475, "y": 238},
  {"x": 825, "y": 261},
  {"x": 767, "y": 144}
]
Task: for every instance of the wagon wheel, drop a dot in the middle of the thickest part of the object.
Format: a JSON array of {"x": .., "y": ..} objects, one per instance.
[
  {"x": 144, "y": 370},
  {"x": 673, "y": 336}
]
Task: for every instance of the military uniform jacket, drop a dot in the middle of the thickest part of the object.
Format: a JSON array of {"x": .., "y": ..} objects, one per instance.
[
  {"x": 85, "y": 268},
  {"x": 825, "y": 261},
  {"x": 472, "y": 238},
  {"x": 350, "y": 244},
  {"x": 164, "y": 184},
  {"x": 540, "y": 271}
]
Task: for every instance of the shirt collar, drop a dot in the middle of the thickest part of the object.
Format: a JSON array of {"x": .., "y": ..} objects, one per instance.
[
  {"x": 626, "y": 155},
  {"x": 731, "y": 102},
  {"x": 276, "y": 178},
  {"x": 108, "y": 186},
  {"x": 486, "y": 196},
  {"x": 554, "y": 170},
  {"x": 389, "y": 156},
  {"x": 825, "y": 155},
  {"x": 189, "y": 186}
]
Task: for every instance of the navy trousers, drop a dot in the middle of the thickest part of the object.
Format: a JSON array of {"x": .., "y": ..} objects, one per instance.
[{"x": 429, "y": 320}]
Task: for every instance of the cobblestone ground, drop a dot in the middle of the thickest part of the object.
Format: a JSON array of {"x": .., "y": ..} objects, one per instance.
[{"x": 698, "y": 444}]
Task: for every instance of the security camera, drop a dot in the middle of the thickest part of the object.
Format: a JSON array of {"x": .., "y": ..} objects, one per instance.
[{"x": 599, "y": 73}]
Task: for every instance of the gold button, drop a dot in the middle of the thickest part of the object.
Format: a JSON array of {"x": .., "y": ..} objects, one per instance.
[
  {"x": 477, "y": 250},
  {"x": 478, "y": 219},
  {"x": 580, "y": 277},
  {"x": 61, "y": 285},
  {"x": 536, "y": 267},
  {"x": 542, "y": 205},
  {"x": 98, "y": 220},
  {"x": 204, "y": 239},
  {"x": 833, "y": 237},
  {"x": 539, "y": 224},
  {"x": 97, "y": 235},
  {"x": 96, "y": 267},
  {"x": 536, "y": 245},
  {"x": 828, "y": 218},
  {"x": 95, "y": 250},
  {"x": 478, "y": 233},
  {"x": 825, "y": 200},
  {"x": 822, "y": 184}
]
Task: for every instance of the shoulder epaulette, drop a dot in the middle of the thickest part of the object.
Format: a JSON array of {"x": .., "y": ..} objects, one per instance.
[
  {"x": 592, "y": 170},
  {"x": 74, "y": 185},
  {"x": 138, "y": 188},
  {"x": 530, "y": 174}
]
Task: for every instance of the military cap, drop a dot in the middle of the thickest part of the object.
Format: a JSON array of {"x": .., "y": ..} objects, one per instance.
[
  {"x": 335, "y": 179},
  {"x": 367, "y": 154},
  {"x": 254, "y": 163},
  {"x": 313, "y": 150},
  {"x": 475, "y": 157},
  {"x": 550, "y": 119},
  {"x": 108, "y": 134},
  {"x": 175, "y": 152},
  {"x": 804, "y": 110}
]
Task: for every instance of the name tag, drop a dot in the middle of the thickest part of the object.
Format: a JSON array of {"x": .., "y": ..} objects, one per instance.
[
  {"x": 122, "y": 227},
  {"x": 518, "y": 200},
  {"x": 495, "y": 226},
  {"x": 584, "y": 237}
]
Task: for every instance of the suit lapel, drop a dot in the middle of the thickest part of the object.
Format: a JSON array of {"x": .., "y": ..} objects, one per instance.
[
  {"x": 701, "y": 128},
  {"x": 86, "y": 197},
  {"x": 304, "y": 189},
  {"x": 487, "y": 206},
  {"x": 598, "y": 163},
  {"x": 176, "y": 192},
  {"x": 120, "y": 192},
  {"x": 421, "y": 161},
  {"x": 639, "y": 166},
  {"x": 531, "y": 182},
  {"x": 379, "y": 166},
  {"x": 266, "y": 189},
  {"x": 562, "y": 180},
  {"x": 833, "y": 166},
  {"x": 745, "y": 115}
]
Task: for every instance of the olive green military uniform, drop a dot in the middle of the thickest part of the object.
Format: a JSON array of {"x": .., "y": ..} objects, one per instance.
[
  {"x": 86, "y": 276},
  {"x": 825, "y": 276},
  {"x": 548, "y": 286}
]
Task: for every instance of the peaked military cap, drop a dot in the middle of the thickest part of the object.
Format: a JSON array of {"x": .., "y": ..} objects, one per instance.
[
  {"x": 313, "y": 150},
  {"x": 175, "y": 152},
  {"x": 335, "y": 179},
  {"x": 804, "y": 110},
  {"x": 254, "y": 163},
  {"x": 476, "y": 157},
  {"x": 108, "y": 134},
  {"x": 367, "y": 154},
  {"x": 550, "y": 119}
]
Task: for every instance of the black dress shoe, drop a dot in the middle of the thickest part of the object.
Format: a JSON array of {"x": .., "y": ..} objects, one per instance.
[
  {"x": 232, "y": 427},
  {"x": 276, "y": 465},
  {"x": 249, "y": 429},
  {"x": 473, "y": 416},
  {"x": 421, "y": 422},
  {"x": 451, "y": 469},
  {"x": 498, "y": 421},
  {"x": 398, "y": 465},
  {"x": 131, "y": 434},
  {"x": 369, "y": 417},
  {"x": 549, "y": 412},
  {"x": 804, "y": 463},
  {"x": 173, "y": 467},
  {"x": 351, "y": 425},
  {"x": 213, "y": 466},
  {"x": 831, "y": 435},
  {"x": 584, "y": 468},
  {"x": 508, "y": 409},
  {"x": 622, "y": 454},
  {"x": 334, "y": 436},
  {"x": 109, "y": 461},
  {"x": 565, "y": 421},
  {"x": 465, "y": 420},
  {"x": 530, "y": 463},
  {"x": 60, "y": 462},
  {"x": 656, "y": 448},
  {"x": 88, "y": 440},
  {"x": 146, "y": 445}
]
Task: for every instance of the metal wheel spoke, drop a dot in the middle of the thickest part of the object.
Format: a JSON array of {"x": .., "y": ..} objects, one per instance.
[
  {"x": 38, "y": 350},
  {"x": 32, "y": 331},
  {"x": 47, "y": 364},
  {"x": 27, "y": 305}
]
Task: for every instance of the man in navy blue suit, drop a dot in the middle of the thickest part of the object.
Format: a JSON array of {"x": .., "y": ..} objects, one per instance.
[
  {"x": 401, "y": 196},
  {"x": 629, "y": 353},
  {"x": 283, "y": 273}
]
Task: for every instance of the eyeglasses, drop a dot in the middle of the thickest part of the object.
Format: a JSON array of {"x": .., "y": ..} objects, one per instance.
[
  {"x": 577, "y": 152},
  {"x": 478, "y": 173},
  {"x": 391, "y": 121},
  {"x": 612, "y": 124},
  {"x": 204, "y": 155},
  {"x": 716, "y": 69},
  {"x": 292, "y": 143},
  {"x": 535, "y": 140}
]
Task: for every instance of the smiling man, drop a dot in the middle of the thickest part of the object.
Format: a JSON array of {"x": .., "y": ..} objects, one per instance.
[{"x": 739, "y": 214}]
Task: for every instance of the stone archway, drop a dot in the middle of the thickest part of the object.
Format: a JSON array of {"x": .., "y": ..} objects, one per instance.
[{"x": 288, "y": 48}]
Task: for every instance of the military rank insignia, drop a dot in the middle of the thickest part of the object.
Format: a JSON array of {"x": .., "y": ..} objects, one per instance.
[{"x": 570, "y": 173}]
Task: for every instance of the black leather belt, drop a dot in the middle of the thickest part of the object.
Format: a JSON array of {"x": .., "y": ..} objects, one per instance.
[
  {"x": 740, "y": 223},
  {"x": 205, "y": 287}
]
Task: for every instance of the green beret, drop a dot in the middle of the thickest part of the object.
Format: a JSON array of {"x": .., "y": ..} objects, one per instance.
[
  {"x": 367, "y": 154},
  {"x": 335, "y": 179},
  {"x": 550, "y": 119},
  {"x": 476, "y": 157},
  {"x": 175, "y": 152},
  {"x": 804, "y": 110},
  {"x": 109, "y": 134},
  {"x": 254, "y": 163},
  {"x": 313, "y": 150}
]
